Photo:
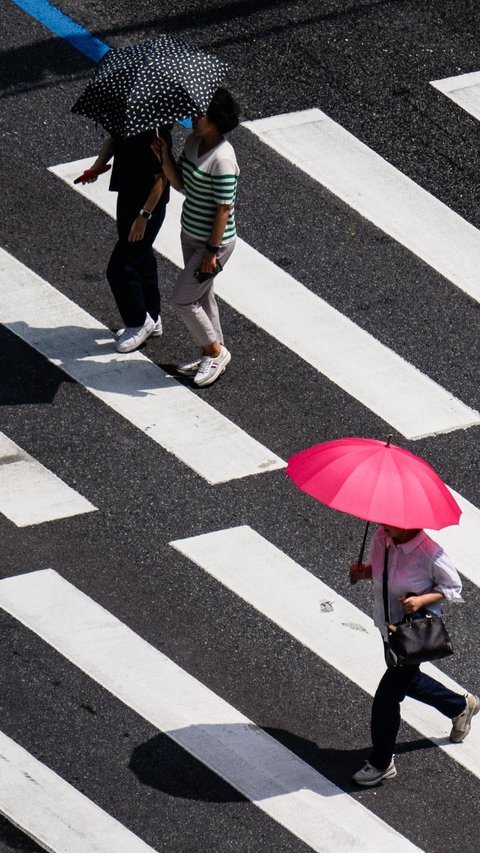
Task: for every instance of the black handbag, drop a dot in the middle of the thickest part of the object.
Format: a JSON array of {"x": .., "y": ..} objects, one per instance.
[{"x": 416, "y": 639}]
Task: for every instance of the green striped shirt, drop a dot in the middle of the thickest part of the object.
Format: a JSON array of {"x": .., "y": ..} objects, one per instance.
[{"x": 208, "y": 180}]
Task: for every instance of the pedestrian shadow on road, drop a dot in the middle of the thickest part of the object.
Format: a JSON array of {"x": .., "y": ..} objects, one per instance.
[
  {"x": 26, "y": 379},
  {"x": 87, "y": 354},
  {"x": 164, "y": 763}
]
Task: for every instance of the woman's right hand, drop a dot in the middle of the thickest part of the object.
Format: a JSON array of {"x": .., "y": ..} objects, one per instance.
[
  {"x": 360, "y": 572},
  {"x": 160, "y": 149}
]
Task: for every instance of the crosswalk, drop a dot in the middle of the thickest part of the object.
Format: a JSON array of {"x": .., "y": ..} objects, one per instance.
[
  {"x": 131, "y": 385},
  {"x": 349, "y": 356},
  {"x": 285, "y": 788},
  {"x": 275, "y": 780},
  {"x": 382, "y": 194}
]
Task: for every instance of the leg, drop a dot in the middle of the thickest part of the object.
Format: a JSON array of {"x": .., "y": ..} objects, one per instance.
[
  {"x": 122, "y": 270},
  {"x": 208, "y": 300},
  {"x": 425, "y": 689},
  {"x": 188, "y": 293},
  {"x": 148, "y": 263},
  {"x": 385, "y": 720}
]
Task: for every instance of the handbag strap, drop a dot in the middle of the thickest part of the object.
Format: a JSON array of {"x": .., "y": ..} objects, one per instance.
[{"x": 385, "y": 587}]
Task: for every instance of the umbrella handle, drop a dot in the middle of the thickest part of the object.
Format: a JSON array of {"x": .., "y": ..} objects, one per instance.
[{"x": 362, "y": 549}]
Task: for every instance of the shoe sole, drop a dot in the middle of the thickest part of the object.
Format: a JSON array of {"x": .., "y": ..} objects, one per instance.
[
  {"x": 390, "y": 775},
  {"x": 221, "y": 369}
]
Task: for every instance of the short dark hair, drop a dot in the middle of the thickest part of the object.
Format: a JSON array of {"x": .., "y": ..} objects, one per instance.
[{"x": 223, "y": 111}]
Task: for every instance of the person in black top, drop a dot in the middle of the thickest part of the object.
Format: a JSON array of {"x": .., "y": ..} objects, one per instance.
[{"x": 143, "y": 194}]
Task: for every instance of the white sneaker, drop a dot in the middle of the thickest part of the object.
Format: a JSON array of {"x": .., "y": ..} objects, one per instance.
[
  {"x": 369, "y": 775},
  {"x": 462, "y": 723},
  {"x": 190, "y": 366},
  {"x": 133, "y": 337},
  {"x": 157, "y": 330},
  {"x": 211, "y": 367}
]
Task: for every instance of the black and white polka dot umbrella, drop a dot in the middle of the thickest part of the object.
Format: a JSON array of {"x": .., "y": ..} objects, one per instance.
[{"x": 157, "y": 82}]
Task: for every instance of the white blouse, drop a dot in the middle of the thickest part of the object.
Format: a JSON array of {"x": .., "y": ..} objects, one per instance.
[{"x": 418, "y": 566}]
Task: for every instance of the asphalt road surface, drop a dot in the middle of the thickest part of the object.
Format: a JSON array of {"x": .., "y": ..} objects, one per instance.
[{"x": 161, "y": 773}]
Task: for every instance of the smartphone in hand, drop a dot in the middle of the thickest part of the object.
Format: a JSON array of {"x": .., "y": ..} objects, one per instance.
[
  {"x": 204, "y": 276},
  {"x": 91, "y": 173}
]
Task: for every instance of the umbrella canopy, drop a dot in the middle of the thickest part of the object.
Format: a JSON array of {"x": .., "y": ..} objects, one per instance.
[
  {"x": 376, "y": 481},
  {"x": 154, "y": 83}
]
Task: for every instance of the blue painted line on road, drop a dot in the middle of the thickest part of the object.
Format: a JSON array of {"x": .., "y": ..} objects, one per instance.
[{"x": 60, "y": 24}]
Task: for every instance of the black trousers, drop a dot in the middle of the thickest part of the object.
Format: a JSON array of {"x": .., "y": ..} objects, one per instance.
[
  {"x": 396, "y": 683},
  {"x": 132, "y": 268}
]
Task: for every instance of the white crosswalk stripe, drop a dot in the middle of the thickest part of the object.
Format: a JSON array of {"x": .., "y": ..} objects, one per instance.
[
  {"x": 378, "y": 191},
  {"x": 348, "y": 355},
  {"x": 30, "y": 493},
  {"x": 464, "y": 90},
  {"x": 341, "y": 634},
  {"x": 273, "y": 778},
  {"x": 57, "y": 816},
  {"x": 130, "y": 384}
]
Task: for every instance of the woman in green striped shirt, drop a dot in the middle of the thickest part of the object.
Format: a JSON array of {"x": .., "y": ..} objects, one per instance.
[{"x": 208, "y": 172}]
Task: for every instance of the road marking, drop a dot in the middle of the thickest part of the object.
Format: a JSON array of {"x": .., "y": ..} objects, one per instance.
[
  {"x": 278, "y": 782},
  {"x": 340, "y": 633},
  {"x": 326, "y": 339},
  {"x": 68, "y": 29},
  {"x": 464, "y": 90},
  {"x": 57, "y": 816},
  {"x": 30, "y": 493},
  {"x": 131, "y": 384},
  {"x": 378, "y": 191}
]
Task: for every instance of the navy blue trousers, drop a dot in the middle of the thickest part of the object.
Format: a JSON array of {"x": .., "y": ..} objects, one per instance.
[
  {"x": 132, "y": 269},
  {"x": 396, "y": 683}
]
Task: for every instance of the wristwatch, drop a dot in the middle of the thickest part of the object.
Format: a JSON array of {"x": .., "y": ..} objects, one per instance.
[
  {"x": 213, "y": 249},
  {"x": 146, "y": 214}
]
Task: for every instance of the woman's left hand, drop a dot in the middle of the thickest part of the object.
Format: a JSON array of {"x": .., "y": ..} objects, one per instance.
[{"x": 411, "y": 604}]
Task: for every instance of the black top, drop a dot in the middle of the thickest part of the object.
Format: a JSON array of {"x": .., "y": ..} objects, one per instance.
[{"x": 135, "y": 165}]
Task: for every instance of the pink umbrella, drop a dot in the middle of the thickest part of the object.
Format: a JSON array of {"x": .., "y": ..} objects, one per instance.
[{"x": 376, "y": 481}]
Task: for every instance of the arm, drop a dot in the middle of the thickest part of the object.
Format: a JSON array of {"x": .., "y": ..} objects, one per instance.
[
  {"x": 415, "y": 602},
  {"x": 105, "y": 154},
  {"x": 139, "y": 224},
  {"x": 172, "y": 174},
  {"x": 209, "y": 259},
  {"x": 447, "y": 585}
]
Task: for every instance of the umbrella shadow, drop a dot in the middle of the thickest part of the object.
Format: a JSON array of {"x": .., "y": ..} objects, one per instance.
[
  {"x": 167, "y": 763},
  {"x": 25, "y": 379},
  {"x": 88, "y": 355}
]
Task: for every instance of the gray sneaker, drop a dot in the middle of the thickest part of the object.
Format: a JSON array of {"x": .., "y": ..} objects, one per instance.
[
  {"x": 211, "y": 367},
  {"x": 462, "y": 723},
  {"x": 369, "y": 775},
  {"x": 157, "y": 330},
  {"x": 133, "y": 337}
]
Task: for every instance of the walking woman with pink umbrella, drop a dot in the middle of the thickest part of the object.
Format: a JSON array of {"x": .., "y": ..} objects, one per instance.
[{"x": 411, "y": 573}]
